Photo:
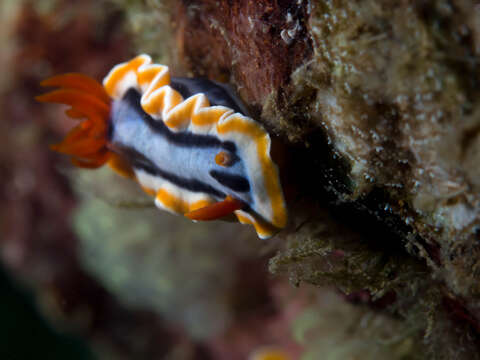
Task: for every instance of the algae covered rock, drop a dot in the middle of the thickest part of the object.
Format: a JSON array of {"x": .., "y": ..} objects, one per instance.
[{"x": 375, "y": 103}]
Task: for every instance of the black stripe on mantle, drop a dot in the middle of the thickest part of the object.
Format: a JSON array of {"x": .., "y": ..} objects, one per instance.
[
  {"x": 139, "y": 161},
  {"x": 186, "y": 139}
]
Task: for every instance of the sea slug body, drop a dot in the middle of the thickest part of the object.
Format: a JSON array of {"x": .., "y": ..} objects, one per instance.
[{"x": 188, "y": 142}]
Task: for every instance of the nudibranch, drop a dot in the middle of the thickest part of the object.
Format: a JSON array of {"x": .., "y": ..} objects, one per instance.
[{"x": 188, "y": 142}]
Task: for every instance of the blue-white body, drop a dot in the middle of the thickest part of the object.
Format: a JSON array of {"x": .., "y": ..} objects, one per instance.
[{"x": 158, "y": 154}]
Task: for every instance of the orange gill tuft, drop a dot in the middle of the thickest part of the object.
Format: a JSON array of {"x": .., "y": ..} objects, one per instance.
[{"x": 87, "y": 142}]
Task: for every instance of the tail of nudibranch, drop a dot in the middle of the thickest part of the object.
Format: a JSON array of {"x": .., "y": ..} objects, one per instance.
[{"x": 87, "y": 142}]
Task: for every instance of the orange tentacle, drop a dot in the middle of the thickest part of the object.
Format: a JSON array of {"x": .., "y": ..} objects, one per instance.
[
  {"x": 82, "y": 140},
  {"x": 78, "y": 82},
  {"x": 74, "y": 114},
  {"x": 81, "y": 148},
  {"x": 80, "y": 101}
]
